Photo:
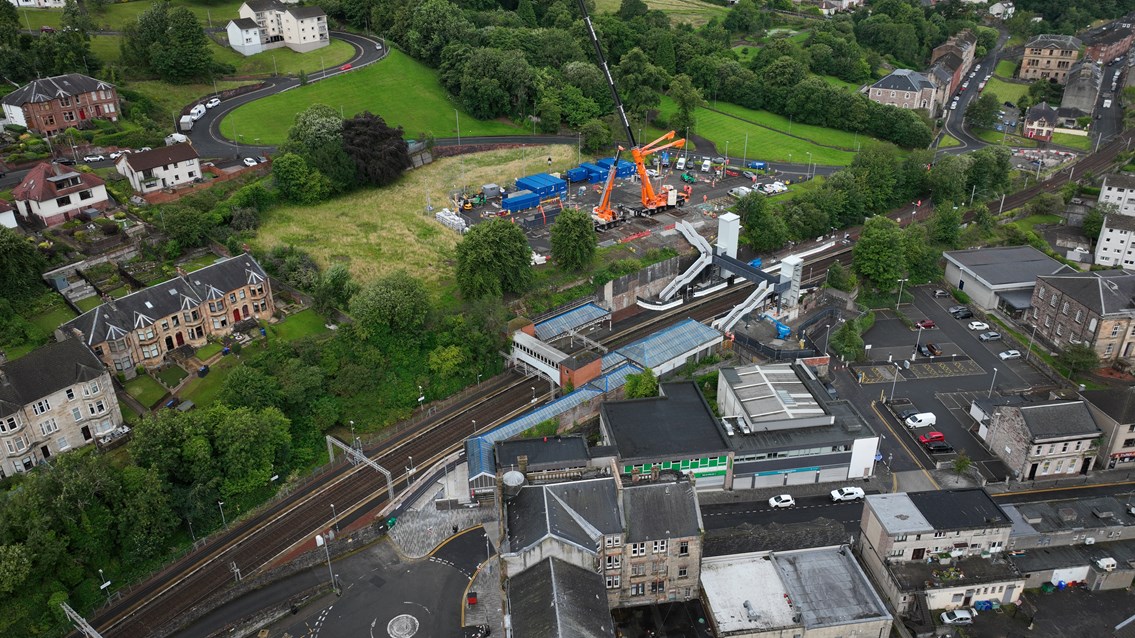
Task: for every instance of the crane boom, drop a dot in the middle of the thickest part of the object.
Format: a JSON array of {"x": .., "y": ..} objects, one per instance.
[{"x": 607, "y": 73}]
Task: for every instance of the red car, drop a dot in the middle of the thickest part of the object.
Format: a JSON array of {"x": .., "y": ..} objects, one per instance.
[
  {"x": 345, "y": 67},
  {"x": 932, "y": 437},
  {"x": 925, "y": 324}
]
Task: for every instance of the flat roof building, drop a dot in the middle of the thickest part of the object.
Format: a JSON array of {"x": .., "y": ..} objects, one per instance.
[{"x": 1000, "y": 277}]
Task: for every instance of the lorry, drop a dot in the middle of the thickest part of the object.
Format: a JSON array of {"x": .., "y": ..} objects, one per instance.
[{"x": 185, "y": 124}]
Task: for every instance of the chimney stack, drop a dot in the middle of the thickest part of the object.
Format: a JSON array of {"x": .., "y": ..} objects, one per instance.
[{"x": 522, "y": 461}]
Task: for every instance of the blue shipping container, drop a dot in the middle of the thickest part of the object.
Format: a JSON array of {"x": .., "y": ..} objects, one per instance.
[
  {"x": 578, "y": 174},
  {"x": 520, "y": 200},
  {"x": 596, "y": 173}
]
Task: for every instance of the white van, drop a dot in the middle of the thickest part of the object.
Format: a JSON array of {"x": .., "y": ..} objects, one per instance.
[
  {"x": 197, "y": 112},
  {"x": 740, "y": 192},
  {"x": 681, "y": 163},
  {"x": 706, "y": 166},
  {"x": 921, "y": 420}
]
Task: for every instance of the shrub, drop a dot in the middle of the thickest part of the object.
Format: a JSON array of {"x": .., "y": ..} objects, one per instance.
[{"x": 960, "y": 296}]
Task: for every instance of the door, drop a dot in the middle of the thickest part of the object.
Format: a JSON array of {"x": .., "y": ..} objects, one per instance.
[
  {"x": 45, "y": 452},
  {"x": 244, "y": 311},
  {"x": 918, "y": 554},
  {"x": 169, "y": 342},
  {"x": 236, "y": 314},
  {"x": 1032, "y": 472},
  {"x": 1087, "y": 466},
  {"x": 86, "y": 433},
  {"x": 180, "y": 339}
]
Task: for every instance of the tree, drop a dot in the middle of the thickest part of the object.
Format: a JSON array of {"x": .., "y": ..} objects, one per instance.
[
  {"x": 493, "y": 258},
  {"x": 296, "y": 181},
  {"x": 946, "y": 226},
  {"x": 187, "y": 226},
  {"x": 948, "y": 180},
  {"x": 1078, "y": 357},
  {"x": 249, "y": 387},
  {"x": 984, "y": 110},
  {"x": 596, "y": 135},
  {"x": 380, "y": 153},
  {"x": 334, "y": 290},
  {"x": 169, "y": 42},
  {"x": 961, "y": 465},
  {"x": 432, "y": 24},
  {"x": 249, "y": 445},
  {"x": 630, "y": 9},
  {"x": 764, "y": 230},
  {"x": 878, "y": 255},
  {"x": 15, "y": 567},
  {"x": 526, "y": 12},
  {"x": 639, "y": 83},
  {"x": 641, "y": 385},
  {"x": 840, "y": 278},
  {"x": 573, "y": 240},
  {"x": 314, "y": 127},
  {"x": 495, "y": 82},
  {"x": 394, "y": 306},
  {"x": 688, "y": 99},
  {"x": 1093, "y": 224},
  {"x": 20, "y": 266}
]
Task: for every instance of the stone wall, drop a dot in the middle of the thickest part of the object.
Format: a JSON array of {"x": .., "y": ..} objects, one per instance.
[{"x": 621, "y": 295}]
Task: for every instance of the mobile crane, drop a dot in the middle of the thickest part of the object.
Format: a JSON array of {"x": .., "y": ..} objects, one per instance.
[{"x": 667, "y": 197}]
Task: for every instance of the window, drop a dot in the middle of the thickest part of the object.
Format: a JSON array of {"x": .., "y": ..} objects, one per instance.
[
  {"x": 77, "y": 413},
  {"x": 103, "y": 427},
  {"x": 98, "y": 407},
  {"x": 900, "y": 538},
  {"x": 48, "y": 427},
  {"x": 1059, "y": 329},
  {"x": 896, "y": 553},
  {"x": 684, "y": 548},
  {"x": 658, "y": 587},
  {"x": 63, "y": 201},
  {"x": 70, "y": 394},
  {"x": 150, "y": 351},
  {"x": 613, "y": 541},
  {"x": 146, "y": 333},
  {"x": 638, "y": 589},
  {"x": 1052, "y": 301},
  {"x": 1040, "y": 293},
  {"x": 614, "y": 562},
  {"x": 165, "y": 326},
  {"x": 91, "y": 389},
  {"x": 1079, "y": 316},
  {"x": 1108, "y": 349},
  {"x": 612, "y": 582},
  {"x": 939, "y": 534},
  {"x": 85, "y": 195},
  {"x": 39, "y": 407},
  {"x": 659, "y": 547},
  {"x": 683, "y": 572},
  {"x": 9, "y": 425},
  {"x": 241, "y": 294},
  {"x": 638, "y": 570},
  {"x": 17, "y": 444},
  {"x": 1115, "y": 330},
  {"x": 1037, "y": 450},
  {"x": 62, "y": 444},
  {"x": 638, "y": 549}
]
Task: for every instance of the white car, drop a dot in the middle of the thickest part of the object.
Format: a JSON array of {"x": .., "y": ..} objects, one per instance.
[
  {"x": 848, "y": 494},
  {"x": 653, "y": 174},
  {"x": 954, "y": 105},
  {"x": 978, "y": 325},
  {"x": 143, "y": 149},
  {"x": 1010, "y": 354},
  {"x": 115, "y": 155},
  {"x": 957, "y": 617},
  {"x": 250, "y": 161},
  {"x": 93, "y": 158},
  {"x": 782, "y": 500},
  {"x": 213, "y": 102}
]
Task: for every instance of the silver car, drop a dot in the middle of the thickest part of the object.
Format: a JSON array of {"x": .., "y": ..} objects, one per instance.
[{"x": 989, "y": 336}]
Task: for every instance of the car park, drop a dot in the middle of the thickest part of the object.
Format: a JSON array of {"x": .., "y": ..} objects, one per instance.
[
  {"x": 781, "y": 500},
  {"x": 939, "y": 293},
  {"x": 957, "y": 617},
  {"x": 921, "y": 420},
  {"x": 953, "y": 309},
  {"x": 1010, "y": 354},
  {"x": 978, "y": 325},
  {"x": 925, "y": 324},
  {"x": 848, "y": 494},
  {"x": 938, "y": 447},
  {"x": 249, "y": 161},
  {"x": 93, "y": 158},
  {"x": 906, "y": 413},
  {"x": 923, "y": 350},
  {"x": 935, "y": 351},
  {"x": 989, "y": 336},
  {"x": 931, "y": 437},
  {"x": 214, "y": 102}
]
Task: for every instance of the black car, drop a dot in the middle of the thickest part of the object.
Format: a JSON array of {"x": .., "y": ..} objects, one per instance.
[
  {"x": 923, "y": 350},
  {"x": 66, "y": 161},
  {"x": 938, "y": 447},
  {"x": 963, "y": 314},
  {"x": 906, "y": 413}
]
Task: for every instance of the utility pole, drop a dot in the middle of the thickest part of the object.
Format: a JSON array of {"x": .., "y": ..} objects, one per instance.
[{"x": 81, "y": 623}]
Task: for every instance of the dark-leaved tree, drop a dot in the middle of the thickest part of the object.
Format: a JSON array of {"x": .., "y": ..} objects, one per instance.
[
  {"x": 380, "y": 152},
  {"x": 20, "y": 266},
  {"x": 573, "y": 240}
]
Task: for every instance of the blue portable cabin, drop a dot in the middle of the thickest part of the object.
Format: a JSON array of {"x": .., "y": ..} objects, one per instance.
[
  {"x": 624, "y": 169},
  {"x": 578, "y": 174},
  {"x": 595, "y": 172},
  {"x": 665, "y": 155},
  {"x": 520, "y": 200},
  {"x": 538, "y": 183}
]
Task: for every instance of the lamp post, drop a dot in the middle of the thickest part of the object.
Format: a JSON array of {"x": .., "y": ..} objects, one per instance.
[
  {"x": 808, "y": 170},
  {"x": 322, "y": 542},
  {"x": 421, "y": 396},
  {"x": 917, "y": 342},
  {"x": 826, "y": 335},
  {"x": 221, "y": 506},
  {"x": 990, "y": 393},
  {"x": 899, "y": 300},
  {"x": 474, "y": 426},
  {"x": 727, "y": 152},
  {"x": 1031, "y": 338},
  {"x": 478, "y": 378},
  {"x": 533, "y": 394},
  {"x": 898, "y": 369},
  {"x": 334, "y": 518},
  {"x": 104, "y": 586}
]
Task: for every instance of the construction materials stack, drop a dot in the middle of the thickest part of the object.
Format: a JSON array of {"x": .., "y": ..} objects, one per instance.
[{"x": 451, "y": 220}]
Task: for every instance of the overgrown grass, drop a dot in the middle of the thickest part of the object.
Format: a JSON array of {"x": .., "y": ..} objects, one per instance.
[
  {"x": 53, "y": 317},
  {"x": 818, "y": 134},
  {"x": 834, "y": 81},
  {"x": 403, "y": 91},
  {"x": 305, "y": 323},
  {"x": 199, "y": 262},
  {"x": 203, "y": 391},
  {"x": 1082, "y": 142},
  {"x": 146, "y": 390},
  {"x": 1032, "y": 221},
  {"x": 798, "y": 188},
  {"x": 1005, "y": 69},
  {"x": 174, "y": 97},
  {"x": 284, "y": 61},
  {"x": 694, "y": 12},
  {"x": 1006, "y": 91}
]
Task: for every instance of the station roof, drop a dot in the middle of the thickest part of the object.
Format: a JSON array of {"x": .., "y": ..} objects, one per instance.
[
  {"x": 551, "y": 451},
  {"x": 665, "y": 345},
  {"x": 573, "y": 319}
]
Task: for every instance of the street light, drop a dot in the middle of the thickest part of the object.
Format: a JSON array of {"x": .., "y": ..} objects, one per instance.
[
  {"x": 105, "y": 586},
  {"x": 334, "y": 518},
  {"x": 478, "y": 378},
  {"x": 991, "y": 384},
  {"x": 808, "y": 170},
  {"x": 917, "y": 342},
  {"x": 1031, "y": 338},
  {"x": 221, "y": 505},
  {"x": 410, "y": 480},
  {"x": 321, "y": 542},
  {"x": 421, "y": 396},
  {"x": 474, "y": 426},
  {"x": 899, "y": 300},
  {"x": 533, "y": 394},
  {"x": 826, "y": 334},
  {"x": 898, "y": 369}
]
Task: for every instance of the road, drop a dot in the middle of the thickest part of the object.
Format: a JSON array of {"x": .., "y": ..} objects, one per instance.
[
  {"x": 808, "y": 508},
  {"x": 955, "y": 119}
]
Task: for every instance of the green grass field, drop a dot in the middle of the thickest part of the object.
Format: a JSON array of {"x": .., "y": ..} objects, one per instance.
[
  {"x": 997, "y": 137},
  {"x": 694, "y": 12},
  {"x": 741, "y": 52},
  {"x": 146, "y": 390},
  {"x": 405, "y": 92},
  {"x": 172, "y": 375},
  {"x": 282, "y": 61},
  {"x": 204, "y": 391},
  {"x": 50, "y": 320},
  {"x": 302, "y": 324},
  {"x": 115, "y": 15},
  {"x": 1006, "y": 91},
  {"x": 834, "y": 81},
  {"x": 89, "y": 303},
  {"x": 948, "y": 141},
  {"x": 208, "y": 350},
  {"x": 173, "y": 97},
  {"x": 817, "y": 134},
  {"x": 1005, "y": 69},
  {"x": 1082, "y": 142}
]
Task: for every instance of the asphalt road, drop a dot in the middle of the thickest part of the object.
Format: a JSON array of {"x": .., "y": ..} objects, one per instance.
[
  {"x": 955, "y": 119},
  {"x": 808, "y": 508}
]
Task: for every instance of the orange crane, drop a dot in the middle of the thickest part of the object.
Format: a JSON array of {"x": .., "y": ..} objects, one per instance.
[
  {"x": 603, "y": 215},
  {"x": 667, "y": 196}
]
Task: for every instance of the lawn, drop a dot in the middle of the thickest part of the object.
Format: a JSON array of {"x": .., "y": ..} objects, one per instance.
[
  {"x": 1005, "y": 69},
  {"x": 107, "y": 47},
  {"x": 33, "y": 19},
  {"x": 948, "y": 141},
  {"x": 1006, "y": 91},
  {"x": 146, "y": 390},
  {"x": 378, "y": 231},
  {"x": 799, "y": 188},
  {"x": 305, "y": 323},
  {"x": 694, "y": 12},
  {"x": 997, "y": 137},
  {"x": 1082, "y": 142},
  {"x": 834, "y": 81},
  {"x": 284, "y": 61},
  {"x": 172, "y": 375},
  {"x": 403, "y": 91},
  {"x": 202, "y": 391},
  {"x": 89, "y": 303},
  {"x": 197, "y": 263},
  {"x": 741, "y": 51},
  {"x": 211, "y": 13},
  {"x": 817, "y": 134},
  {"x": 174, "y": 97},
  {"x": 1032, "y": 221},
  {"x": 54, "y": 317},
  {"x": 208, "y": 350}
]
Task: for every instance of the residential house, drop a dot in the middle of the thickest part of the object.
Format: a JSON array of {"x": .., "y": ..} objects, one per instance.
[
  {"x": 163, "y": 167},
  {"x": 956, "y": 55},
  {"x": 641, "y": 542},
  {"x": 51, "y": 194},
  {"x": 1114, "y": 412},
  {"x": 7, "y": 215},
  {"x": 39, "y": 4},
  {"x": 53, "y": 399},
  {"x": 1081, "y": 91},
  {"x": 1119, "y": 189},
  {"x": 1002, "y": 10},
  {"x": 818, "y": 592},
  {"x": 270, "y": 24},
  {"x": 1041, "y": 121},
  {"x": 1109, "y": 42},
  {"x": 53, "y": 105},
  {"x": 933, "y": 550},
  {"x": 1049, "y": 57},
  {"x": 1045, "y": 440},
  {"x": 1095, "y": 308},
  {"x": 1000, "y": 278},
  {"x": 556, "y": 599},
  {"x": 908, "y": 90},
  {"x": 1116, "y": 244},
  {"x": 140, "y": 328}
]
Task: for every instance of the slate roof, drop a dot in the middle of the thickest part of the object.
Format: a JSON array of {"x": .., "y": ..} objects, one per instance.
[
  {"x": 575, "y": 512},
  {"x": 1119, "y": 180},
  {"x": 1006, "y": 266},
  {"x": 1041, "y": 113},
  {"x": 1054, "y": 41},
  {"x": 658, "y": 511},
  {"x": 1119, "y": 222},
  {"x": 547, "y": 452},
  {"x": 48, "y": 89},
  {"x": 302, "y": 13},
  {"x": 42, "y": 183},
  {"x": 260, "y": 6},
  {"x": 246, "y": 24},
  {"x": 959, "y": 509},
  {"x": 162, "y": 156},
  {"x": 555, "y": 599},
  {"x": 951, "y": 61},
  {"x": 1104, "y": 292},
  {"x": 680, "y": 422},
  {"x": 114, "y": 319},
  {"x": 904, "y": 80},
  {"x": 1057, "y": 419},
  {"x": 44, "y": 371},
  {"x": 1117, "y": 404}
]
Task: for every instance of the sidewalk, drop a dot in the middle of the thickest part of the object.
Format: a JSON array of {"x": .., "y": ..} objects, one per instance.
[
  {"x": 488, "y": 610},
  {"x": 881, "y": 482},
  {"x": 1118, "y": 476},
  {"x": 422, "y": 526}
]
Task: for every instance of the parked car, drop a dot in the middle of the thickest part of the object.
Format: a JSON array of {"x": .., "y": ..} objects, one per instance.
[
  {"x": 213, "y": 102},
  {"x": 66, "y": 161},
  {"x": 989, "y": 336},
  {"x": 953, "y": 309},
  {"x": 934, "y": 350},
  {"x": 921, "y": 420},
  {"x": 1010, "y": 354},
  {"x": 781, "y": 500},
  {"x": 249, "y": 161},
  {"x": 925, "y": 324},
  {"x": 719, "y": 160},
  {"x": 954, "y": 105},
  {"x": 931, "y": 437},
  {"x": 906, "y": 413},
  {"x": 651, "y": 173},
  {"x": 848, "y": 494},
  {"x": 117, "y": 154},
  {"x": 143, "y": 149},
  {"x": 923, "y": 350},
  {"x": 957, "y": 617},
  {"x": 93, "y": 158},
  {"x": 963, "y": 314},
  {"x": 978, "y": 325},
  {"x": 938, "y": 447},
  {"x": 46, "y": 29},
  {"x": 261, "y": 160},
  {"x": 748, "y": 174},
  {"x": 939, "y": 294}
]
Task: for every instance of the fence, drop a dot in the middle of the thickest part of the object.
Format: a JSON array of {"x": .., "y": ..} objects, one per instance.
[{"x": 776, "y": 354}]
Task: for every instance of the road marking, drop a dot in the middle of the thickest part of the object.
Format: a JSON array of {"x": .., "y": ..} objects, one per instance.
[
  {"x": 902, "y": 444},
  {"x": 1047, "y": 490}
]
